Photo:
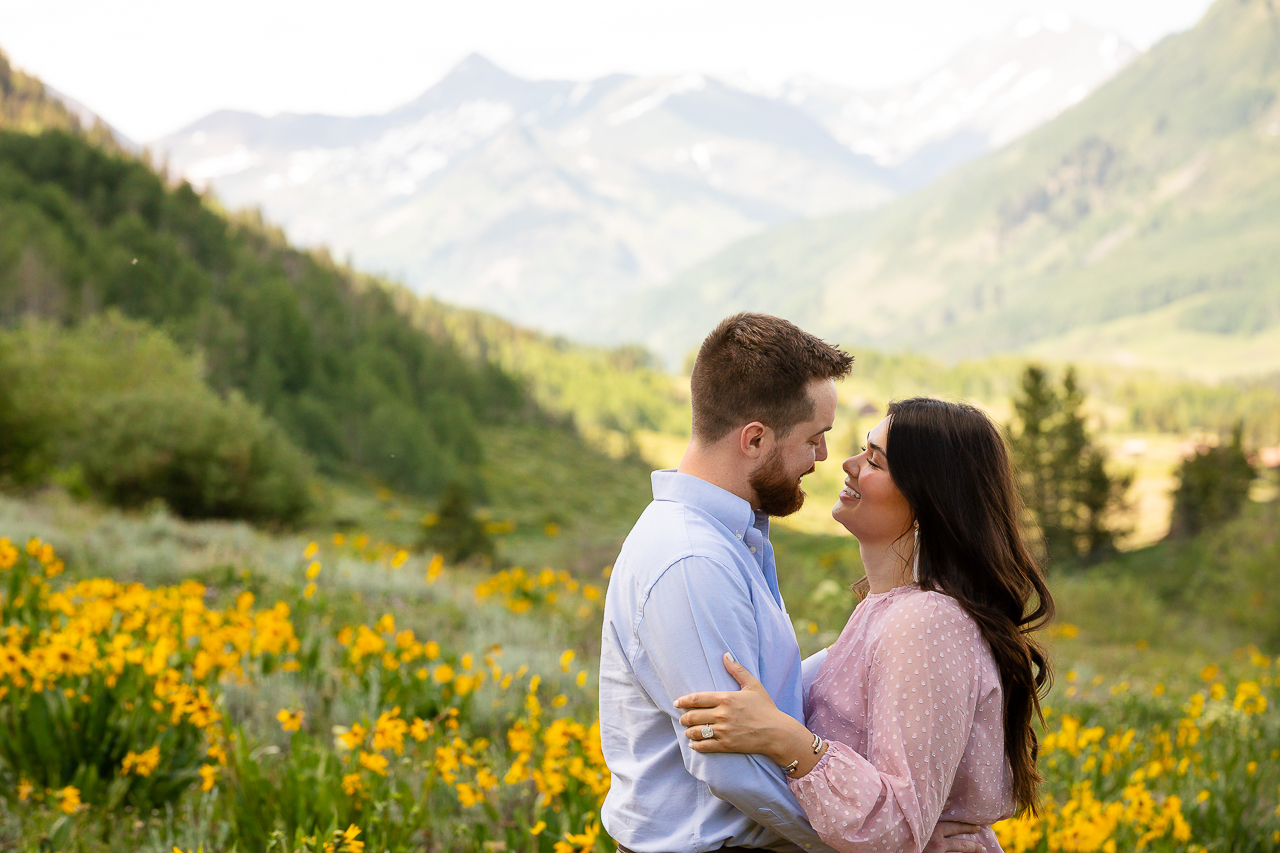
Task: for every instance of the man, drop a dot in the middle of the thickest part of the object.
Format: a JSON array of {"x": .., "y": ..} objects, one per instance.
[{"x": 696, "y": 579}]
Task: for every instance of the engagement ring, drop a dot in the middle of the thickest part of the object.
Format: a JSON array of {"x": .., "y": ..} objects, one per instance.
[{"x": 707, "y": 732}]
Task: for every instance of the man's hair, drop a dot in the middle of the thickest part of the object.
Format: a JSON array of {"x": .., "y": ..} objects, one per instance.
[{"x": 754, "y": 367}]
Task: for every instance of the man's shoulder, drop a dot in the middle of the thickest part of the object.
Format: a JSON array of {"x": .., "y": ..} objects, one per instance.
[{"x": 669, "y": 531}]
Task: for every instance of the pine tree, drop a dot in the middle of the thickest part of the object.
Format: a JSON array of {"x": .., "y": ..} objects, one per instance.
[
  {"x": 1067, "y": 489},
  {"x": 1213, "y": 485},
  {"x": 456, "y": 531}
]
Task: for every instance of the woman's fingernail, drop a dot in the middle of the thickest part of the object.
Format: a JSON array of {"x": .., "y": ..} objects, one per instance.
[{"x": 730, "y": 656}]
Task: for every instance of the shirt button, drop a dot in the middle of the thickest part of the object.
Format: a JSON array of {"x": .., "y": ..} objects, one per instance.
[
  {"x": 753, "y": 549},
  {"x": 739, "y": 535}
]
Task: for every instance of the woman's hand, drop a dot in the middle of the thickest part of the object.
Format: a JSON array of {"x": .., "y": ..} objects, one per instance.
[{"x": 744, "y": 721}]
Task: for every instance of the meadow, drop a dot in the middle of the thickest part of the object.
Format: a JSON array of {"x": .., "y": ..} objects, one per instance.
[
  {"x": 326, "y": 681},
  {"x": 167, "y": 684}
]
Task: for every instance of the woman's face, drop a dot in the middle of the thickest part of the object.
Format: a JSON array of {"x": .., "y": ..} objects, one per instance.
[{"x": 870, "y": 505}]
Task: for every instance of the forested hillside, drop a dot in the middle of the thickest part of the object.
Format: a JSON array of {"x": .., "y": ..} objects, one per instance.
[
  {"x": 323, "y": 351},
  {"x": 25, "y": 105}
]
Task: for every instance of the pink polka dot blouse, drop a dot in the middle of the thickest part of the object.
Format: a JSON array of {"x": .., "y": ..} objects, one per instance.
[{"x": 910, "y": 699}]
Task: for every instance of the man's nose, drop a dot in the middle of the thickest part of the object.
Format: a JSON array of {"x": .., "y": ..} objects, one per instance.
[{"x": 821, "y": 455}]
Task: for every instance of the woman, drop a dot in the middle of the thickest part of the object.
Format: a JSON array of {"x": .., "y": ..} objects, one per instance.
[{"x": 922, "y": 709}]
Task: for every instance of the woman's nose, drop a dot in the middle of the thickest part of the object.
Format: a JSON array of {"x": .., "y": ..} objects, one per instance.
[{"x": 850, "y": 466}]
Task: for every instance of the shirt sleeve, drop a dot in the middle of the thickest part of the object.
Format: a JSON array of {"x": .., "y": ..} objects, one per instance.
[
  {"x": 809, "y": 671},
  {"x": 698, "y": 610},
  {"x": 923, "y": 693}
]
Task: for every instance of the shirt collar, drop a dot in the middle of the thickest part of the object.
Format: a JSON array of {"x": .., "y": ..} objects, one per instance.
[{"x": 725, "y": 507}]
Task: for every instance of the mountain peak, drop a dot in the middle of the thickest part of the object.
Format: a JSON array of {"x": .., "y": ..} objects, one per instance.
[
  {"x": 477, "y": 77},
  {"x": 477, "y": 65}
]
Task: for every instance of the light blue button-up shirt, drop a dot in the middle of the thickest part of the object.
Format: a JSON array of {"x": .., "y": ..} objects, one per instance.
[{"x": 695, "y": 579}]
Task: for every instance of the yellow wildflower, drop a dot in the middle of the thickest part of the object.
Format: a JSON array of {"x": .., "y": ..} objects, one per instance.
[
  {"x": 389, "y": 731},
  {"x": 69, "y": 798},
  {"x": 352, "y": 785},
  {"x": 353, "y": 737},
  {"x": 290, "y": 721},
  {"x": 373, "y": 761},
  {"x": 143, "y": 763},
  {"x": 469, "y": 796}
]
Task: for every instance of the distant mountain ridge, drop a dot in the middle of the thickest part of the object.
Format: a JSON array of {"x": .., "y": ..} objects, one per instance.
[
  {"x": 547, "y": 201},
  {"x": 1139, "y": 227},
  {"x": 556, "y": 203},
  {"x": 984, "y": 97}
]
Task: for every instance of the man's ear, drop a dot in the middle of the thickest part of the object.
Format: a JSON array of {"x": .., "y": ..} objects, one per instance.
[{"x": 753, "y": 438}]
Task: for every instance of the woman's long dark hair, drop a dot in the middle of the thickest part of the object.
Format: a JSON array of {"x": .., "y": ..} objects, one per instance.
[{"x": 950, "y": 462}]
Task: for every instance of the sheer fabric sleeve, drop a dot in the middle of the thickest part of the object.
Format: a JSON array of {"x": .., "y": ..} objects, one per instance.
[{"x": 923, "y": 692}]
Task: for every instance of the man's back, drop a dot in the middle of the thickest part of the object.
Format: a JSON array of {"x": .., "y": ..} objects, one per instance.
[{"x": 695, "y": 579}]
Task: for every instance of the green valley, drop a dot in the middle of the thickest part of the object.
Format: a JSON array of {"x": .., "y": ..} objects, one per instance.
[
  {"x": 233, "y": 475},
  {"x": 1138, "y": 228}
]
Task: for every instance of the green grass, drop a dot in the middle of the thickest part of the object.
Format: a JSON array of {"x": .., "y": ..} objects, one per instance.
[{"x": 1156, "y": 615}]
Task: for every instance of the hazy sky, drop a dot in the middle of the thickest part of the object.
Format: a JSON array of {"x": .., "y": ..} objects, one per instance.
[{"x": 153, "y": 66}]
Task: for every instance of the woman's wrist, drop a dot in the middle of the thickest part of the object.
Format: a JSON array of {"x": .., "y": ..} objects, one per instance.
[
  {"x": 808, "y": 759},
  {"x": 793, "y": 742}
]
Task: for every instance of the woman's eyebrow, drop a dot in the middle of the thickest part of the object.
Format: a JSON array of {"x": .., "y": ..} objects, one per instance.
[{"x": 877, "y": 448}]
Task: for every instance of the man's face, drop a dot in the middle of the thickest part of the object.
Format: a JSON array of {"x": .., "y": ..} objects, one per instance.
[{"x": 776, "y": 480}]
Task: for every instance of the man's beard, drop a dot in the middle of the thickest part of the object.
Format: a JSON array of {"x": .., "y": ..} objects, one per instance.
[{"x": 778, "y": 493}]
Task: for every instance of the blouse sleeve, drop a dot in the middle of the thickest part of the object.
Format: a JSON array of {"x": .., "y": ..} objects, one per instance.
[{"x": 923, "y": 692}]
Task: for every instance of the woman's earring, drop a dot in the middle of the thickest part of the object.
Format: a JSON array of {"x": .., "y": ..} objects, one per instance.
[{"x": 915, "y": 557}]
